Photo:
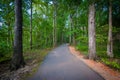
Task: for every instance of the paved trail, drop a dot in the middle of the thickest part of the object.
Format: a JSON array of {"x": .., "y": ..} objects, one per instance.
[{"x": 60, "y": 64}]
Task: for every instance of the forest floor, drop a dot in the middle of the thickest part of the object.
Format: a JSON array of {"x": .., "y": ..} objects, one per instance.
[
  {"x": 33, "y": 59},
  {"x": 102, "y": 69}
]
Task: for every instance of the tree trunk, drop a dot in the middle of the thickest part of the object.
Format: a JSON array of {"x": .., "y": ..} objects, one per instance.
[
  {"x": 91, "y": 32},
  {"x": 71, "y": 24},
  {"x": 62, "y": 37},
  {"x": 73, "y": 38},
  {"x": 17, "y": 59},
  {"x": 31, "y": 27},
  {"x": 54, "y": 23},
  {"x": 110, "y": 42}
]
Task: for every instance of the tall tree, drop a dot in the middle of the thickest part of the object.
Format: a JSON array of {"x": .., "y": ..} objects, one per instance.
[
  {"x": 110, "y": 42},
  {"x": 91, "y": 31},
  {"x": 70, "y": 36},
  {"x": 17, "y": 59},
  {"x": 31, "y": 26},
  {"x": 54, "y": 23}
]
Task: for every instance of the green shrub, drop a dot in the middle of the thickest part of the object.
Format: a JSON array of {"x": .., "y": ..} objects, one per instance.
[
  {"x": 83, "y": 47},
  {"x": 4, "y": 48},
  {"x": 110, "y": 63}
]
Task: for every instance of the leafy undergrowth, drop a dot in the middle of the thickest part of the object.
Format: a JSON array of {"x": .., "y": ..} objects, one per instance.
[
  {"x": 112, "y": 63},
  {"x": 83, "y": 48},
  {"x": 6, "y": 57},
  {"x": 33, "y": 59},
  {"x": 102, "y": 56}
]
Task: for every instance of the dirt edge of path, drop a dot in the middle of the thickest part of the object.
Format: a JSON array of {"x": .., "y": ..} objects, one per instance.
[{"x": 106, "y": 72}]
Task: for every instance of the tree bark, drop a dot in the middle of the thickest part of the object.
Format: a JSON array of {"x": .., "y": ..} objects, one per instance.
[
  {"x": 110, "y": 41},
  {"x": 70, "y": 37},
  {"x": 91, "y": 32},
  {"x": 31, "y": 27},
  {"x": 62, "y": 33},
  {"x": 54, "y": 23},
  {"x": 17, "y": 59},
  {"x": 74, "y": 35}
]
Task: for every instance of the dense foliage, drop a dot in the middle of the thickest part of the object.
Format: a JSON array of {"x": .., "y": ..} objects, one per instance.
[{"x": 71, "y": 24}]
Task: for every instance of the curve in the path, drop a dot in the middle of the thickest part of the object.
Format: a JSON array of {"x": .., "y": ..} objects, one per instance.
[{"x": 61, "y": 65}]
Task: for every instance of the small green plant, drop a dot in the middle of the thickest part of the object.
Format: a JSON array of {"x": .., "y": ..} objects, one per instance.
[
  {"x": 5, "y": 51},
  {"x": 4, "y": 48},
  {"x": 82, "y": 47},
  {"x": 110, "y": 63}
]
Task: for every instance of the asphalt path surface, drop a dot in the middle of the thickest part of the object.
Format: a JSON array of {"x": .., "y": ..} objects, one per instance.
[{"x": 60, "y": 64}]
